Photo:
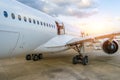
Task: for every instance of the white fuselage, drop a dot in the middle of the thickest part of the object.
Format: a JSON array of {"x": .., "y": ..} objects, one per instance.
[{"x": 23, "y": 29}]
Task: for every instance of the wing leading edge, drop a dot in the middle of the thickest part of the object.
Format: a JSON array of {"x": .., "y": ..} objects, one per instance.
[{"x": 92, "y": 38}]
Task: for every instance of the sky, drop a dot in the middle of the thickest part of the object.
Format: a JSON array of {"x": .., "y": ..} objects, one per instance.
[{"x": 92, "y": 16}]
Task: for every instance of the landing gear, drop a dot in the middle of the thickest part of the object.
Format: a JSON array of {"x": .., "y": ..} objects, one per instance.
[
  {"x": 40, "y": 56},
  {"x": 28, "y": 57},
  {"x": 79, "y": 58},
  {"x": 85, "y": 60},
  {"x": 34, "y": 57}
]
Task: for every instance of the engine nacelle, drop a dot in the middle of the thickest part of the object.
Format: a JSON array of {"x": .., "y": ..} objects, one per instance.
[{"x": 110, "y": 47}]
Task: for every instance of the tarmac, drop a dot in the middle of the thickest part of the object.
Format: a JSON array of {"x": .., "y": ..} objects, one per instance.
[{"x": 58, "y": 66}]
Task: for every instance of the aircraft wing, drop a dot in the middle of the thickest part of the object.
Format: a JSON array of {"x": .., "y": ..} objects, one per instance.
[
  {"x": 67, "y": 40},
  {"x": 92, "y": 38}
]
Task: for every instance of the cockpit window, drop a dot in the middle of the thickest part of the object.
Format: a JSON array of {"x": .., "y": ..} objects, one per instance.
[
  {"x": 13, "y": 16},
  {"x": 5, "y": 14}
]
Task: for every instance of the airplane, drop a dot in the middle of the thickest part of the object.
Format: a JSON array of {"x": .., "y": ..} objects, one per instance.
[{"x": 24, "y": 30}]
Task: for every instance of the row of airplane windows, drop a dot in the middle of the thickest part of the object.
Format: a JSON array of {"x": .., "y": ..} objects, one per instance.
[{"x": 29, "y": 20}]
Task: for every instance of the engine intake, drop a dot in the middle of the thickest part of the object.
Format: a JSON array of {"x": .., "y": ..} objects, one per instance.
[{"x": 110, "y": 47}]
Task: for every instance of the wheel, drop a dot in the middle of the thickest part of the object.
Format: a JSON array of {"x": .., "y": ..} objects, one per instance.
[
  {"x": 79, "y": 57},
  {"x": 40, "y": 56},
  {"x": 85, "y": 60},
  {"x": 28, "y": 57},
  {"x": 75, "y": 60},
  {"x": 35, "y": 57}
]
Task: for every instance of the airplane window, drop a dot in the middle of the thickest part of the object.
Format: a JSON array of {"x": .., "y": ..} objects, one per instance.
[
  {"x": 54, "y": 26},
  {"x": 13, "y": 16},
  {"x": 30, "y": 20},
  {"x": 25, "y": 19},
  {"x": 5, "y": 14},
  {"x": 41, "y": 23},
  {"x": 34, "y": 21},
  {"x": 19, "y": 17},
  {"x": 38, "y": 22},
  {"x": 47, "y": 24},
  {"x": 44, "y": 24},
  {"x": 51, "y": 25}
]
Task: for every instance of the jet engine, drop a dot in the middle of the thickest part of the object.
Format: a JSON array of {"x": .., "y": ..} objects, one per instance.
[{"x": 110, "y": 47}]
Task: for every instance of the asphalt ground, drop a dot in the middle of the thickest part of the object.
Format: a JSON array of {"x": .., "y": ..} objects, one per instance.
[{"x": 58, "y": 66}]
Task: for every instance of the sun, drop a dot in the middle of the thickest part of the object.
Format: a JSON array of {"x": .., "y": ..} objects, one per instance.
[{"x": 96, "y": 28}]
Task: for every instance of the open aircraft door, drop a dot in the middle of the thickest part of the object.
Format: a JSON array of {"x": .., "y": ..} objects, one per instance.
[{"x": 60, "y": 28}]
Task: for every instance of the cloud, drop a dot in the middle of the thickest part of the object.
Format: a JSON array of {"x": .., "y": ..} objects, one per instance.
[
  {"x": 118, "y": 18},
  {"x": 77, "y": 3},
  {"x": 78, "y": 8}
]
